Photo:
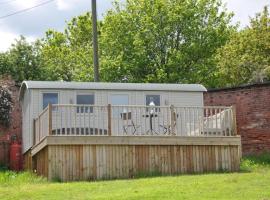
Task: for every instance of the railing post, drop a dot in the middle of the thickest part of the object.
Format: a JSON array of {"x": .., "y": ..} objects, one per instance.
[
  {"x": 109, "y": 119},
  {"x": 50, "y": 118},
  {"x": 172, "y": 119},
  {"x": 234, "y": 120}
]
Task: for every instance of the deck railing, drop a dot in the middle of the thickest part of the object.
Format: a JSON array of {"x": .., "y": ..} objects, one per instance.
[
  {"x": 42, "y": 124},
  {"x": 107, "y": 120}
]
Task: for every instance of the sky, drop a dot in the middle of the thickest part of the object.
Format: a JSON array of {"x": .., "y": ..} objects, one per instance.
[{"x": 33, "y": 23}]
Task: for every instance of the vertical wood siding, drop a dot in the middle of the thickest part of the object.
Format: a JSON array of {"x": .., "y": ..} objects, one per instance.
[
  {"x": 41, "y": 162},
  {"x": 27, "y": 161},
  {"x": 91, "y": 162}
]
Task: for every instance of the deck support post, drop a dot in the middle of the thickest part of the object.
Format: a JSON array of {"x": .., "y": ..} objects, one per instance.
[
  {"x": 234, "y": 119},
  {"x": 109, "y": 119},
  {"x": 172, "y": 119},
  {"x": 50, "y": 118}
]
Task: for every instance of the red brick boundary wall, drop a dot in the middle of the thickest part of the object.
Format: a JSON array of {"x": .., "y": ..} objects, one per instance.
[
  {"x": 15, "y": 127},
  {"x": 252, "y": 113}
]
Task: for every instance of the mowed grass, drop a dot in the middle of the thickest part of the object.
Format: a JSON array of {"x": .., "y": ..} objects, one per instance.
[{"x": 253, "y": 182}]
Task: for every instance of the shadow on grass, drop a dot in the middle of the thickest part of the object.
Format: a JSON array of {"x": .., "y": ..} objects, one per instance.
[{"x": 157, "y": 174}]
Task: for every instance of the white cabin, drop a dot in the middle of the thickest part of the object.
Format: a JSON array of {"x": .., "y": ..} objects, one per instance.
[{"x": 36, "y": 95}]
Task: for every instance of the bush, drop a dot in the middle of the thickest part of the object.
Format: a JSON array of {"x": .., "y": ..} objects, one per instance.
[
  {"x": 5, "y": 106},
  {"x": 255, "y": 162}
]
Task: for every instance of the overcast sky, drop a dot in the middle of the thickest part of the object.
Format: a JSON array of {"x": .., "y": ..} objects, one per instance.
[{"x": 35, "y": 22}]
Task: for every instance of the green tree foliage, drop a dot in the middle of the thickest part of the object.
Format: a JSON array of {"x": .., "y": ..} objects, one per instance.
[
  {"x": 163, "y": 40},
  {"x": 142, "y": 41},
  {"x": 170, "y": 41},
  {"x": 246, "y": 57},
  {"x": 5, "y": 66},
  {"x": 5, "y": 106},
  {"x": 68, "y": 56},
  {"x": 22, "y": 61}
]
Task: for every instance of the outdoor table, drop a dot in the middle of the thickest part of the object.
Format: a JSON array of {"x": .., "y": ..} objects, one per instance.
[{"x": 151, "y": 116}]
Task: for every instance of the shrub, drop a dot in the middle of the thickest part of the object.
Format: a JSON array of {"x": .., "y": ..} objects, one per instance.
[
  {"x": 255, "y": 162},
  {"x": 5, "y": 106}
]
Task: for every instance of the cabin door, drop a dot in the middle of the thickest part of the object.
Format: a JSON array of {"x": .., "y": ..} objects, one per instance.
[{"x": 120, "y": 114}]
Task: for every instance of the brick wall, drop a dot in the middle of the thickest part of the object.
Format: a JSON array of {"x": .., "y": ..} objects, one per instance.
[
  {"x": 252, "y": 111},
  {"x": 15, "y": 127}
]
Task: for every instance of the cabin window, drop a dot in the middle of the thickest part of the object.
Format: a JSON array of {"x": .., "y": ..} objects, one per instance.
[
  {"x": 49, "y": 98},
  {"x": 152, "y": 100},
  {"x": 119, "y": 99},
  {"x": 85, "y": 99}
]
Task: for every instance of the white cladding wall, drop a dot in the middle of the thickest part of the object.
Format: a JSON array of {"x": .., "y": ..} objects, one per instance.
[
  {"x": 32, "y": 103},
  {"x": 26, "y": 121}
]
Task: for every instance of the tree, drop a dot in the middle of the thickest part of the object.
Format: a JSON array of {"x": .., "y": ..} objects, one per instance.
[
  {"x": 68, "y": 56},
  {"x": 170, "y": 41},
  {"x": 246, "y": 57},
  {"x": 5, "y": 65},
  {"x": 163, "y": 41},
  {"x": 5, "y": 106},
  {"x": 142, "y": 41},
  {"x": 22, "y": 61}
]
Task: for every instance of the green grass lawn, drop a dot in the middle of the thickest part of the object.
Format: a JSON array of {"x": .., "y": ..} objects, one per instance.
[{"x": 253, "y": 182}]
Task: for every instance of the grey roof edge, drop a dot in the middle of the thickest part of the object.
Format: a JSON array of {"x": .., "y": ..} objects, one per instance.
[
  {"x": 22, "y": 89},
  {"x": 110, "y": 86}
]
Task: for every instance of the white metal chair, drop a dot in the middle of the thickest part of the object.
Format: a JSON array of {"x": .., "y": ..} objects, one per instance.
[{"x": 128, "y": 122}]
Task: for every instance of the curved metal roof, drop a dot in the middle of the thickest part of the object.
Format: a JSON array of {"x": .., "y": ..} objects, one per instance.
[{"x": 110, "y": 86}]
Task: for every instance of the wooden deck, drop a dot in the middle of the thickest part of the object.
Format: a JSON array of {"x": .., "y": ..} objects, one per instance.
[
  {"x": 72, "y": 158},
  {"x": 90, "y": 142}
]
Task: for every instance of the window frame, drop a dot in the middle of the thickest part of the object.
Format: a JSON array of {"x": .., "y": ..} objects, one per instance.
[
  {"x": 118, "y": 94},
  {"x": 116, "y": 113},
  {"x": 153, "y": 94},
  {"x": 49, "y": 92},
  {"x": 85, "y": 93}
]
